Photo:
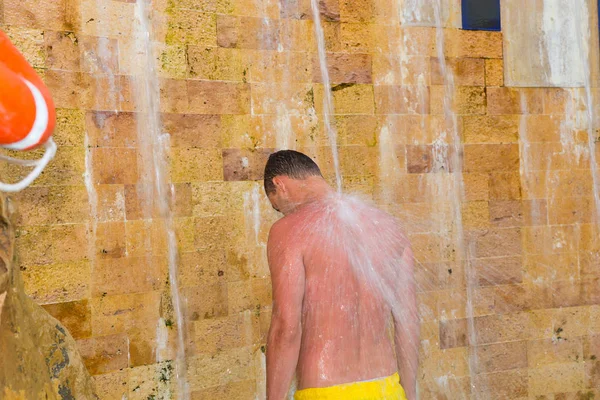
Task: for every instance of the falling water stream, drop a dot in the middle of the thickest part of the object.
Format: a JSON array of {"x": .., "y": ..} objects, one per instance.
[{"x": 154, "y": 147}]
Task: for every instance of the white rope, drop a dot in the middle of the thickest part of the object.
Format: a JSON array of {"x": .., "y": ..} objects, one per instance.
[{"x": 33, "y": 175}]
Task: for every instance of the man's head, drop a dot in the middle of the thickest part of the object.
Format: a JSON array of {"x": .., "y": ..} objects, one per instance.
[{"x": 290, "y": 177}]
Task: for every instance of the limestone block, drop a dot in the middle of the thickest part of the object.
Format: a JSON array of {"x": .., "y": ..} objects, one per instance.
[
  {"x": 401, "y": 99},
  {"x": 232, "y": 391},
  {"x": 502, "y": 385},
  {"x": 206, "y": 301},
  {"x": 497, "y": 271},
  {"x": 477, "y": 44},
  {"x": 253, "y": 295},
  {"x": 502, "y": 356},
  {"x": 501, "y": 100},
  {"x": 62, "y": 50},
  {"x": 491, "y": 158},
  {"x": 105, "y": 354},
  {"x": 356, "y": 37},
  {"x": 564, "y": 377},
  {"x": 218, "y": 97},
  {"x": 206, "y": 371},
  {"x": 344, "y": 68},
  {"x": 476, "y": 214},
  {"x": 414, "y": 12},
  {"x": 122, "y": 313},
  {"x": 69, "y": 127},
  {"x": 466, "y": 71},
  {"x": 114, "y": 165},
  {"x": 99, "y": 55},
  {"x": 191, "y": 27},
  {"x": 216, "y": 63},
  {"x": 506, "y": 213},
  {"x": 215, "y": 335},
  {"x": 490, "y": 129},
  {"x": 495, "y": 242},
  {"x": 239, "y": 164},
  {"x": 247, "y": 33},
  {"x": 75, "y": 316},
  {"x": 56, "y": 15},
  {"x": 196, "y": 165},
  {"x": 358, "y": 160},
  {"x": 269, "y": 66},
  {"x": 58, "y": 282},
  {"x": 144, "y": 237},
  {"x": 111, "y": 386},
  {"x": 174, "y": 96},
  {"x": 476, "y": 186},
  {"x": 193, "y": 130},
  {"x": 110, "y": 275},
  {"x": 494, "y": 72},
  {"x": 355, "y": 99},
  {"x": 553, "y": 37}
]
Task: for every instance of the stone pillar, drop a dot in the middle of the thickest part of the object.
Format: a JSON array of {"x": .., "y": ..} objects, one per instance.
[
  {"x": 39, "y": 357},
  {"x": 550, "y": 42}
]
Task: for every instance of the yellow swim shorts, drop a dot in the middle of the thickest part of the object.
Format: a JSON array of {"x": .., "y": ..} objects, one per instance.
[{"x": 380, "y": 389}]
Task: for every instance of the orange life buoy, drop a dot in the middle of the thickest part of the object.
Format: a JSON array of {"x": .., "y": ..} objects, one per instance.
[{"x": 27, "y": 114}]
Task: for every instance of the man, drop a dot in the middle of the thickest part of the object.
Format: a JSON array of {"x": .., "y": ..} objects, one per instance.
[{"x": 342, "y": 275}]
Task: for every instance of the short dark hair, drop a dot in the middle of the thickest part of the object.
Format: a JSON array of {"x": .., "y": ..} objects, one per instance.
[{"x": 290, "y": 163}]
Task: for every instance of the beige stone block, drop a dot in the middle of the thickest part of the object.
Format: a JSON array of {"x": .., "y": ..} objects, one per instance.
[
  {"x": 497, "y": 271},
  {"x": 107, "y": 19},
  {"x": 203, "y": 267},
  {"x": 355, "y": 99},
  {"x": 33, "y": 245},
  {"x": 464, "y": 43},
  {"x": 70, "y": 89},
  {"x": 156, "y": 380},
  {"x": 494, "y": 242},
  {"x": 58, "y": 282},
  {"x": 30, "y": 43},
  {"x": 356, "y": 129},
  {"x": 111, "y": 386},
  {"x": 196, "y": 165},
  {"x": 494, "y": 72},
  {"x": 356, "y": 37},
  {"x": 501, "y": 100},
  {"x": 401, "y": 99},
  {"x": 218, "y": 97},
  {"x": 356, "y": 11},
  {"x": 215, "y": 335},
  {"x": 503, "y": 328},
  {"x": 104, "y": 354},
  {"x": 501, "y": 356},
  {"x": 110, "y": 129},
  {"x": 247, "y": 32},
  {"x": 506, "y": 213},
  {"x": 74, "y": 315},
  {"x": 420, "y": 41},
  {"x": 129, "y": 275},
  {"x": 59, "y": 15},
  {"x": 571, "y": 210},
  {"x": 243, "y": 390},
  {"x": 491, "y": 157},
  {"x": 565, "y": 377},
  {"x": 69, "y": 243},
  {"x": 207, "y": 371},
  {"x": 390, "y": 69},
  {"x": 191, "y": 27},
  {"x": 564, "y": 266},
  {"x": 476, "y": 214},
  {"x": 171, "y": 61},
  {"x": 476, "y": 186},
  {"x": 216, "y": 63},
  {"x": 250, "y": 295},
  {"x": 552, "y": 351},
  {"x": 70, "y": 125},
  {"x": 490, "y": 129},
  {"x": 206, "y": 301},
  {"x": 505, "y": 185},
  {"x": 62, "y": 50},
  {"x": 466, "y": 71},
  {"x": 268, "y": 66},
  {"x": 502, "y": 385},
  {"x": 123, "y": 313},
  {"x": 100, "y": 55},
  {"x": 344, "y": 68}
]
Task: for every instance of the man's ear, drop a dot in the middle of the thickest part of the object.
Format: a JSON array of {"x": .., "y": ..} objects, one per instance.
[{"x": 279, "y": 183}]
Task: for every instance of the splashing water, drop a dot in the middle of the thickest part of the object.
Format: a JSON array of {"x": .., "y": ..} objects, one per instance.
[{"x": 327, "y": 97}]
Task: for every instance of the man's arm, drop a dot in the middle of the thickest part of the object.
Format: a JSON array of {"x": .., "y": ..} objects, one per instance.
[
  {"x": 406, "y": 326},
  {"x": 285, "y": 333}
]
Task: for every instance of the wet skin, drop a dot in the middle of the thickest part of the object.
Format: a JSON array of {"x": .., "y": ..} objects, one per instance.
[{"x": 328, "y": 325}]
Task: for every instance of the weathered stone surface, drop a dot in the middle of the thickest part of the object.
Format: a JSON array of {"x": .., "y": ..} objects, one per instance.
[{"x": 39, "y": 357}]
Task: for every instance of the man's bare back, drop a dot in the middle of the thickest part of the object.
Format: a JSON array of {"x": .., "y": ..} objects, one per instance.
[{"x": 344, "y": 304}]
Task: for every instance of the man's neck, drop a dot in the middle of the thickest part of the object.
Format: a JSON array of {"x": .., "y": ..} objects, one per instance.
[{"x": 313, "y": 189}]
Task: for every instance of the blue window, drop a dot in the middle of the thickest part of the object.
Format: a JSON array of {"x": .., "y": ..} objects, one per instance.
[{"x": 482, "y": 15}]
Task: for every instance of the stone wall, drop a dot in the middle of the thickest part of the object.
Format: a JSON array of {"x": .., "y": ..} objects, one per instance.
[{"x": 240, "y": 78}]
